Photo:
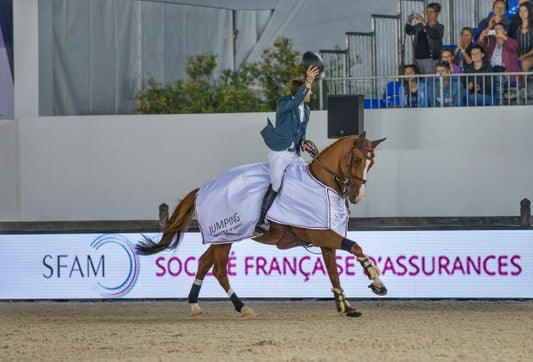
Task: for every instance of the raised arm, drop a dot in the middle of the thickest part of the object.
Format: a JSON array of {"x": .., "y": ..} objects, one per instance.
[
  {"x": 286, "y": 105},
  {"x": 409, "y": 29}
]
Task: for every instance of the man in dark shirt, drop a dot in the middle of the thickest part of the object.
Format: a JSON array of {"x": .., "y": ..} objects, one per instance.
[{"x": 428, "y": 38}]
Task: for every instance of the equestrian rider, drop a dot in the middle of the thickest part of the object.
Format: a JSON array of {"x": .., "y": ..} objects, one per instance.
[{"x": 287, "y": 139}]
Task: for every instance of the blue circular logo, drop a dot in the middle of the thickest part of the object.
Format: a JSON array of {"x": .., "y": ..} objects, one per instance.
[{"x": 123, "y": 287}]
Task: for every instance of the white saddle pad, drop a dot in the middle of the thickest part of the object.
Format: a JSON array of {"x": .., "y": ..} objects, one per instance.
[{"x": 227, "y": 207}]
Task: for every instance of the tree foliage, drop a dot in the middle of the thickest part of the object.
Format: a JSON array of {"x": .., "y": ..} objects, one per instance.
[{"x": 253, "y": 87}]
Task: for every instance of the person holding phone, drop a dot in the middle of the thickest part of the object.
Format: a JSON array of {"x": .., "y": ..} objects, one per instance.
[
  {"x": 500, "y": 49},
  {"x": 428, "y": 38}
]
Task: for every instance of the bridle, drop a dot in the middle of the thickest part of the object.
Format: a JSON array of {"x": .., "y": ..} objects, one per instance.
[{"x": 343, "y": 183}]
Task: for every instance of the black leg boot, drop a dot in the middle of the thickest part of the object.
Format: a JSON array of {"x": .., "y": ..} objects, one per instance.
[{"x": 263, "y": 226}]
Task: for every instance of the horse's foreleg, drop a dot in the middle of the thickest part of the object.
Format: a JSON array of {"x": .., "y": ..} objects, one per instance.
[
  {"x": 343, "y": 306},
  {"x": 204, "y": 264},
  {"x": 328, "y": 254},
  {"x": 330, "y": 239},
  {"x": 220, "y": 272}
]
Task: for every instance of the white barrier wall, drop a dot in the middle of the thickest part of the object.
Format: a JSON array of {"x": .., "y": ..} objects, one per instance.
[
  {"x": 435, "y": 162},
  {"x": 8, "y": 170}
]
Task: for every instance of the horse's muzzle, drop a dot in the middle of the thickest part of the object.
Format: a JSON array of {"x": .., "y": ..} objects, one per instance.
[{"x": 355, "y": 198}]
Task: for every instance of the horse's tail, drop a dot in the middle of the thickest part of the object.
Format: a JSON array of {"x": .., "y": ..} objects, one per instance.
[{"x": 173, "y": 228}]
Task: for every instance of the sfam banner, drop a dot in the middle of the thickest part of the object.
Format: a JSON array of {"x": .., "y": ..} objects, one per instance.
[{"x": 414, "y": 264}]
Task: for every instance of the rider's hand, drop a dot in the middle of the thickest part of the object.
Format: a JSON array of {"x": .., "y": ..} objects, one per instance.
[
  {"x": 310, "y": 147},
  {"x": 311, "y": 74}
]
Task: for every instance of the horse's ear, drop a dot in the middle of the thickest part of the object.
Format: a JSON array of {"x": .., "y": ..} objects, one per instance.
[
  {"x": 377, "y": 142},
  {"x": 360, "y": 140}
]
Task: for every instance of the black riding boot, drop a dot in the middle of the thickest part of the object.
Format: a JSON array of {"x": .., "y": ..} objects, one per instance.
[{"x": 263, "y": 225}]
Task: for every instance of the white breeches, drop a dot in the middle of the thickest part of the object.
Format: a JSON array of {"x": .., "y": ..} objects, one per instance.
[{"x": 278, "y": 162}]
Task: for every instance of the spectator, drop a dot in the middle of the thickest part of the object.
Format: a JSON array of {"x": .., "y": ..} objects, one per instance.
[
  {"x": 499, "y": 7},
  {"x": 445, "y": 91},
  {"x": 464, "y": 46},
  {"x": 479, "y": 88},
  {"x": 413, "y": 92},
  {"x": 447, "y": 55},
  {"x": 428, "y": 38},
  {"x": 500, "y": 50},
  {"x": 524, "y": 36},
  {"x": 516, "y": 21}
]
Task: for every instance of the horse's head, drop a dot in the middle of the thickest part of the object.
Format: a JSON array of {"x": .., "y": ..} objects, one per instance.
[
  {"x": 348, "y": 160},
  {"x": 356, "y": 164}
]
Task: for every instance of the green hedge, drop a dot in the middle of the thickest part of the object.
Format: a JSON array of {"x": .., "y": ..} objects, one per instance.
[{"x": 255, "y": 87}]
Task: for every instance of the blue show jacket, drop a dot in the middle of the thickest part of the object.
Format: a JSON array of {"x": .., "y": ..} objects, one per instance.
[{"x": 289, "y": 129}]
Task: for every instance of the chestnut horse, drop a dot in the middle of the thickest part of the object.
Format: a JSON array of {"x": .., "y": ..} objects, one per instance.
[{"x": 343, "y": 167}]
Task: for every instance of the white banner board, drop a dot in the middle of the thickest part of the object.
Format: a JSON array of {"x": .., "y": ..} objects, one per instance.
[{"x": 414, "y": 264}]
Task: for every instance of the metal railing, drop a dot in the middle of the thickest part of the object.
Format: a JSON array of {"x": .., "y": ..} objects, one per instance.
[{"x": 433, "y": 90}]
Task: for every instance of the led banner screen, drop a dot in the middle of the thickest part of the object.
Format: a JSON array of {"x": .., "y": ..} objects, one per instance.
[{"x": 414, "y": 264}]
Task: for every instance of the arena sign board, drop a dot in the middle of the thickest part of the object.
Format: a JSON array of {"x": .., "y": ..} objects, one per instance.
[{"x": 414, "y": 264}]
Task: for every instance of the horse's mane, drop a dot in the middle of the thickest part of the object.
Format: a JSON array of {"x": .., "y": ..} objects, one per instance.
[{"x": 334, "y": 143}]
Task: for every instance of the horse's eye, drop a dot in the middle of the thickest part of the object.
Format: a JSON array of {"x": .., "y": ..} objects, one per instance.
[{"x": 356, "y": 161}]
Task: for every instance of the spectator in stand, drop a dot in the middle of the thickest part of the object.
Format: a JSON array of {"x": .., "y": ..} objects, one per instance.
[
  {"x": 447, "y": 55},
  {"x": 524, "y": 36},
  {"x": 413, "y": 90},
  {"x": 428, "y": 38},
  {"x": 499, "y": 7},
  {"x": 464, "y": 46},
  {"x": 479, "y": 88},
  {"x": 500, "y": 50},
  {"x": 445, "y": 91},
  {"x": 516, "y": 21}
]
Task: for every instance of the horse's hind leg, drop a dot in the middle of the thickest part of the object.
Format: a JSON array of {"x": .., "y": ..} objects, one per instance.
[
  {"x": 204, "y": 264},
  {"x": 343, "y": 307},
  {"x": 220, "y": 272}
]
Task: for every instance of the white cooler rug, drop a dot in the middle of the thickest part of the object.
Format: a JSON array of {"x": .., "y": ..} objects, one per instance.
[{"x": 228, "y": 206}]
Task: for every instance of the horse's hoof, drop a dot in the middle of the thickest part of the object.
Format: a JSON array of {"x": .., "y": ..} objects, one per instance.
[
  {"x": 354, "y": 314},
  {"x": 196, "y": 312},
  {"x": 248, "y": 312},
  {"x": 378, "y": 290}
]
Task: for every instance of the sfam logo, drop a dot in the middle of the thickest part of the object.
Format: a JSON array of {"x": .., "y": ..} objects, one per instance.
[{"x": 113, "y": 265}]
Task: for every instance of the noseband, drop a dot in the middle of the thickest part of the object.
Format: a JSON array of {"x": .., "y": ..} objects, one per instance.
[{"x": 344, "y": 182}]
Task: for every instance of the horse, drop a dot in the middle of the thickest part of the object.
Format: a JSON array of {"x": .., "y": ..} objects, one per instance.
[{"x": 343, "y": 167}]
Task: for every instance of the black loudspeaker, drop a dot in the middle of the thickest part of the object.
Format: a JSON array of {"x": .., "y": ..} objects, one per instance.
[{"x": 345, "y": 115}]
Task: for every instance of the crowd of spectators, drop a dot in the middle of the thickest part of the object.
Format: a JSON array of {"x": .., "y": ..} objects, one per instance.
[{"x": 503, "y": 43}]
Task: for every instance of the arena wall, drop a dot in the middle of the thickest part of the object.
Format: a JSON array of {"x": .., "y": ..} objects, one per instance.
[
  {"x": 8, "y": 170},
  {"x": 435, "y": 162}
]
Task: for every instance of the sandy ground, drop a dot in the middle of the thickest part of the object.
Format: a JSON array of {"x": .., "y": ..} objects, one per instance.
[{"x": 283, "y": 331}]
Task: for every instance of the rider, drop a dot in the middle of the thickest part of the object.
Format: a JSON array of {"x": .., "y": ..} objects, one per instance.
[{"x": 287, "y": 139}]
